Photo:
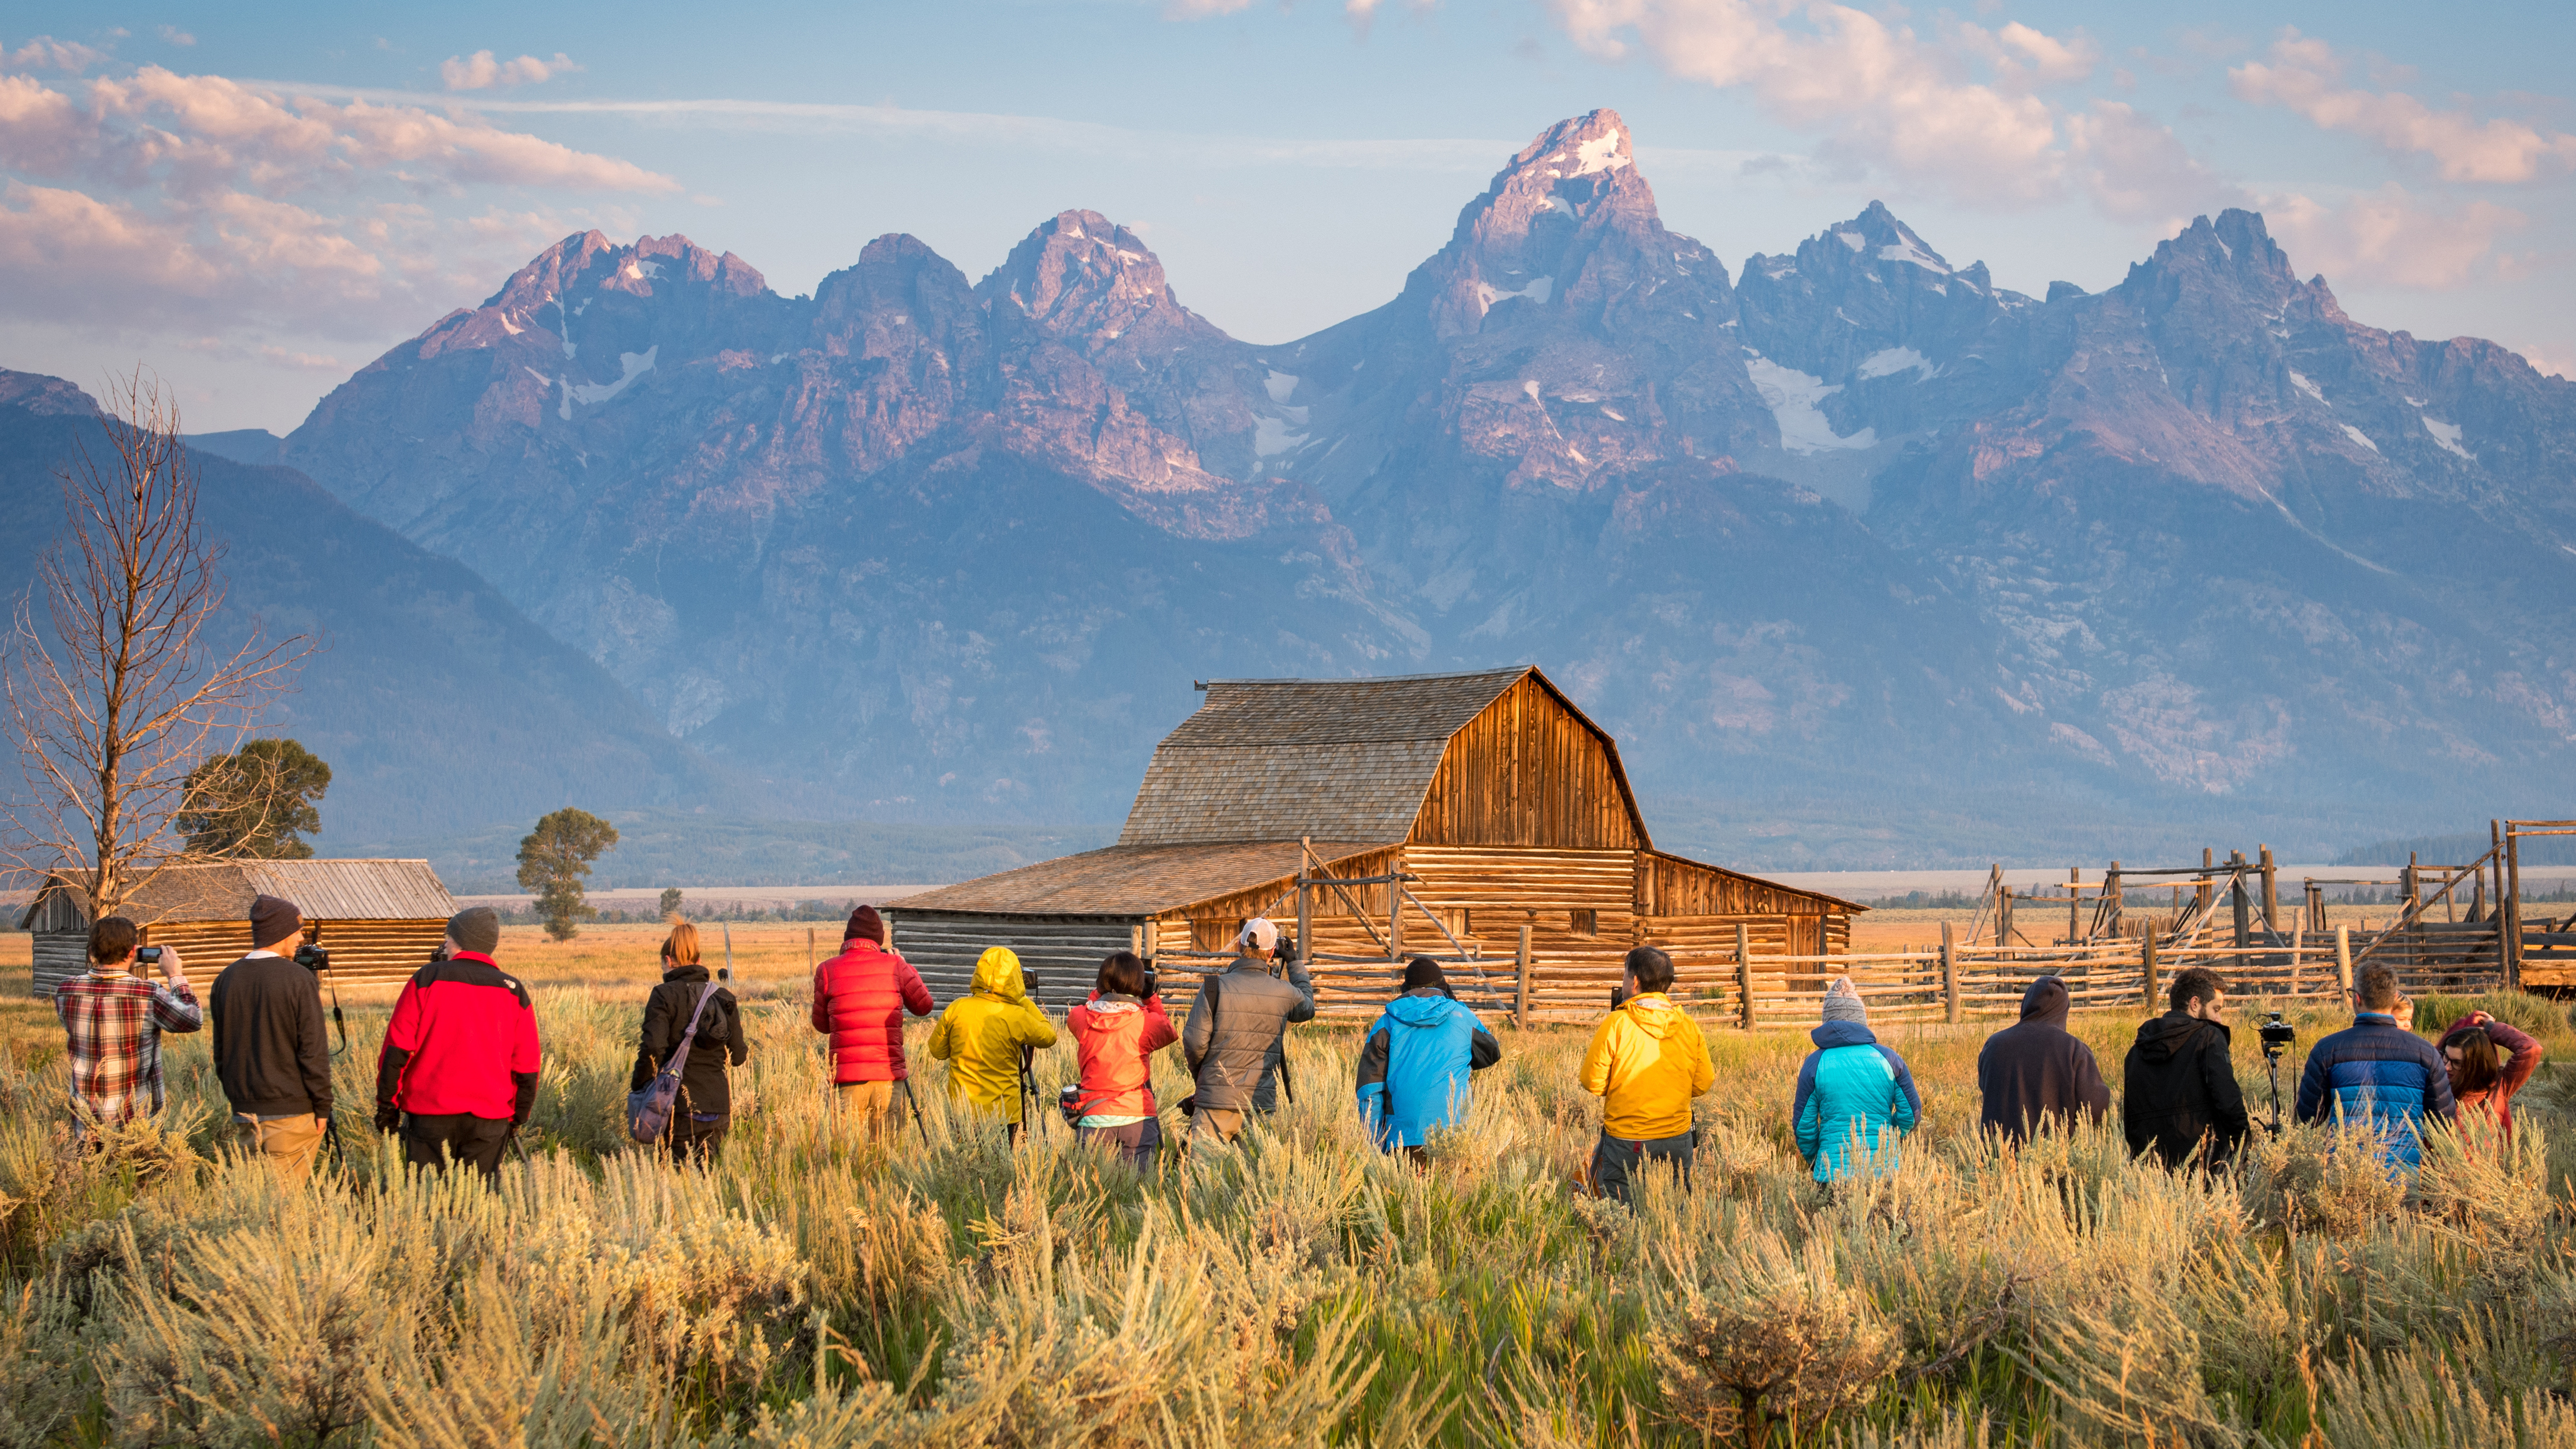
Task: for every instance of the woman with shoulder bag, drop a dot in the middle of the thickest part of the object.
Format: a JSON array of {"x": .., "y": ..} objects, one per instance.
[
  {"x": 1115, "y": 1035},
  {"x": 705, "y": 1105}
]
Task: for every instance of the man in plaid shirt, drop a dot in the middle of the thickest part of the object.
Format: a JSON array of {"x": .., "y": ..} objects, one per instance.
[{"x": 113, "y": 1021}]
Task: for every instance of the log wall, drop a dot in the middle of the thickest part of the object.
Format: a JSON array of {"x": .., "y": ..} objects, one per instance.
[{"x": 1064, "y": 951}]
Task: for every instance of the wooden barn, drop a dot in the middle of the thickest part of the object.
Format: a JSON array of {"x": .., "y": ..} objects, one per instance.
[
  {"x": 379, "y": 919},
  {"x": 1459, "y": 809}
]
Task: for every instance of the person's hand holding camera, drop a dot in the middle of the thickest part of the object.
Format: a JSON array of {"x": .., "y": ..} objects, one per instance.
[{"x": 172, "y": 969}]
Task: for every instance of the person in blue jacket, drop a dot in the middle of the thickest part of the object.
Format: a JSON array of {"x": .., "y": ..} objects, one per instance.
[
  {"x": 1415, "y": 1061},
  {"x": 2378, "y": 1074},
  {"x": 1851, "y": 1089}
]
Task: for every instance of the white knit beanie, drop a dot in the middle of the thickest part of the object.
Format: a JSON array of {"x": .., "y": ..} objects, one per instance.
[{"x": 1843, "y": 1003}]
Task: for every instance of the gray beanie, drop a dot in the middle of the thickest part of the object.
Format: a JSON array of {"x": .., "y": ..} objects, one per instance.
[
  {"x": 477, "y": 929},
  {"x": 1843, "y": 1003}
]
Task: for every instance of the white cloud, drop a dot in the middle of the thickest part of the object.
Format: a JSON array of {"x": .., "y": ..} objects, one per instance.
[
  {"x": 175, "y": 36},
  {"x": 2390, "y": 238},
  {"x": 480, "y": 71},
  {"x": 2306, "y": 75},
  {"x": 1884, "y": 98},
  {"x": 46, "y": 53},
  {"x": 2137, "y": 170},
  {"x": 2022, "y": 58}
]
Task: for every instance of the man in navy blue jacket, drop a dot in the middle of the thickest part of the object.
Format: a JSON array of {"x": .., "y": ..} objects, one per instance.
[{"x": 2377, "y": 1073}]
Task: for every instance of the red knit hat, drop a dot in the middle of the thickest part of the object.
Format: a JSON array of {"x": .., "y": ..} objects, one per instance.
[{"x": 865, "y": 922}]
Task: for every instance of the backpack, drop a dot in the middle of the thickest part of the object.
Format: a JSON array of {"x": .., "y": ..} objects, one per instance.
[{"x": 649, "y": 1112}]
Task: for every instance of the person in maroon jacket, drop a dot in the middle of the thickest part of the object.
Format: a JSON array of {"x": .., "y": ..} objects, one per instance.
[
  {"x": 458, "y": 1070},
  {"x": 860, "y": 997},
  {"x": 2479, "y": 1080}
]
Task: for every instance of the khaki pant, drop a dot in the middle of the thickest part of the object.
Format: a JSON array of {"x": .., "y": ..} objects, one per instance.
[
  {"x": 1215, "y": 1126},
  {"x": 867, "y": 1107},
  {"x": 288, "y": 1142}
]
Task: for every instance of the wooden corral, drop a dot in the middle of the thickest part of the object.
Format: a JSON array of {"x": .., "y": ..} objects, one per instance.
[
  {"x": 378, "y": 919},
  {"x": 1504, "y": 809}
]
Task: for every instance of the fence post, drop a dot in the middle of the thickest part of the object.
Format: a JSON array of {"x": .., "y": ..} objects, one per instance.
[
  {"x": 1520, "y": 980},
  {"x": 1744, "y": 975},
  {"x": 2343, "y": 957},
  {"x": 809, "y": 950},
  {"x": 1949, "y": 975},
  {"x": 2148, "y": 961}
]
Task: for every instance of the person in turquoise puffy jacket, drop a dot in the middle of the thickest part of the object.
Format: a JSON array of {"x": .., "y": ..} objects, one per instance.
[
  {"x": 1851, "y": 1089},
  {"x": 1416, "y": 1060}
]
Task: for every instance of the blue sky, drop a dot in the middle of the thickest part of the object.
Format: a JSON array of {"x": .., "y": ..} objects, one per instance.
[{"x": 257, "y": 201}]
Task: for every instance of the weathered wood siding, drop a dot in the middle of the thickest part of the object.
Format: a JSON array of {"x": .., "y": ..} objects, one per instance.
[
  {"x": 1526, "y": 771},
  {"x": 59, "y": 956},
  {"x": 1064, "y": 951},
  {"x": 1668, "y": 885}
]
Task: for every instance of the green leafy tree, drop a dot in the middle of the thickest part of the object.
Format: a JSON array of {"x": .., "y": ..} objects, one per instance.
[
  {"x": 258, "y": 801},
  {"x": 670, "y": 901},
  {"x": 554, "y": 861}
]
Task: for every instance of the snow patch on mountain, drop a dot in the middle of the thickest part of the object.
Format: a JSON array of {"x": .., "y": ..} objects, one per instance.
[
  {"x": 1280, "y": 385},
  {"x": 1888, "y": 361},
  {"x": 1907, "y": 249},
  {"x": 2300, "y": 381},
  {"x": 1792, "y": 397},
  {"x": 2448, "y": 436},
  {"x": 2358, "y": 436},
  {"x": 633, "y": 366}
]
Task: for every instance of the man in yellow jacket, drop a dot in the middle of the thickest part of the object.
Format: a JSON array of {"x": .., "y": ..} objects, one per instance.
[
  {"x": 981, "y": 1033},
  {"x": 1646, "y": 1064}
]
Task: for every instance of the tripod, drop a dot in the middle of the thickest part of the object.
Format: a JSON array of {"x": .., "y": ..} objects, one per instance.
[{"x": 2272, "y": 1052}]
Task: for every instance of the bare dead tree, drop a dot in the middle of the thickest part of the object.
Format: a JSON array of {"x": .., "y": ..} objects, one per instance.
[{"x": 115, "y": 695}]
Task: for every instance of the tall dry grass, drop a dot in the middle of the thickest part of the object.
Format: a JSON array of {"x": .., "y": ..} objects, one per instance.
[{"x": 932, "y": 1285}]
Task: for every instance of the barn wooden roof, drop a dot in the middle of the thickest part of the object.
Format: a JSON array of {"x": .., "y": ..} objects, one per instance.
[
  {"x": 324, "y": 890},
  {"x": 1334, "y": 759},
  {"x": 1130, "y": 880}
]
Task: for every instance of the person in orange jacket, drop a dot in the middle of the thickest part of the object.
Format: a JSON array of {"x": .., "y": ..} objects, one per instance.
[
  {"x": 1646, "y": 1064},
  {"x": 1115, "y": 1036}
]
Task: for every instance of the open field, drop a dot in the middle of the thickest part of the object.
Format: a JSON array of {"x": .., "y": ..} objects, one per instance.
[{"x": 938, "y": 1288}]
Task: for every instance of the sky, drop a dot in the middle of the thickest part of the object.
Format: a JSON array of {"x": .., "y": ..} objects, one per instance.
[{"x": 256, "y": 201}]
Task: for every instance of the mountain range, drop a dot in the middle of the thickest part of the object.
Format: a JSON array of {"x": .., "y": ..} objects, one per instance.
[{"x": 1863, "y": 557}]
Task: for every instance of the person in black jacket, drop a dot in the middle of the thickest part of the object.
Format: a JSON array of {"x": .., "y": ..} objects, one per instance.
[
  {"x": 705, "y": 1107},
  {"x": 2180, "y": 1096},
  {"x": 271, "y": 1053},
  {"x": 2035, "y": 1076}
]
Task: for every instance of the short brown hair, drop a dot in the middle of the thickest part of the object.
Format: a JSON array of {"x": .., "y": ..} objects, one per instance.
[
  {"x": 1652, "y": 969},
  {"x": 2197, "y": 984},
  {"x": 681, "y": 946},
  {"x": 2477, "y": 1068},
  {"x": 2376, "y": 986},
  {"x": 1123, "y": 973},
  {"x": 111, "y": 938}
]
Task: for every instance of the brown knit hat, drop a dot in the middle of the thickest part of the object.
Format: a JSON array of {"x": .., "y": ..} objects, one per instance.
[
  {"x": 865, "y": 922},
  {"x": 273, "y": 920}
]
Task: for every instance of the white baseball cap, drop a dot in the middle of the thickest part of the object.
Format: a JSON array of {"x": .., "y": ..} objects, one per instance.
[{"x": 1259, "y": 934}]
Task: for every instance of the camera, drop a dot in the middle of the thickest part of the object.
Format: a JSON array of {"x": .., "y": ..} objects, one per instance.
[
  {"x": 2277, "y": 1034},
  {"x": 147, "y": 956},
  {"x": 312, "y": 958},
  {"x": 1028, "y": 981},
  {"x": 1153, "y": 980}
]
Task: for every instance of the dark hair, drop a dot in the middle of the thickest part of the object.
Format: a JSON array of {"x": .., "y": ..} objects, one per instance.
[
  {"x": 111, "y": 938},
  {"x": 2377, "y": 986},
  {"x": 1652, "y": 969},
  {"x": 2477, "y": 1068},
  {"x": 1124, "y": 973},
  {"x": 2197, "y": 984}
]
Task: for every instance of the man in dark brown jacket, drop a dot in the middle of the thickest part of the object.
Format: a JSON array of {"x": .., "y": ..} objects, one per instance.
[
  {"x": 2036, "y": 1075},
  {"x": 271, "y": 1053}
]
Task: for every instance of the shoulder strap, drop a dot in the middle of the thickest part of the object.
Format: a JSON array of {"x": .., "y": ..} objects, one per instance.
[{"x": 680, "y": 1053}]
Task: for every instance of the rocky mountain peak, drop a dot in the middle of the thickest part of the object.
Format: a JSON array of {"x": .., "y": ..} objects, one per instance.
[
  {"x": 1544, "y": 212},
  {"x": 1083, "y": 279}
]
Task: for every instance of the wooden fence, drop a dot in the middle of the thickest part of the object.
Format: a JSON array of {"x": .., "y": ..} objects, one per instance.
[{"x": 1949, "y": 984}]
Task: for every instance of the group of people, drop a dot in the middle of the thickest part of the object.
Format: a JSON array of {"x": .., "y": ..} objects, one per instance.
[{"x": 456, "y": 1074}]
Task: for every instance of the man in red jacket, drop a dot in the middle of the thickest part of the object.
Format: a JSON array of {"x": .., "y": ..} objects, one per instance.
[
  {"x": 860, "y": 997},
  {"x": 458, "y": 1070}
]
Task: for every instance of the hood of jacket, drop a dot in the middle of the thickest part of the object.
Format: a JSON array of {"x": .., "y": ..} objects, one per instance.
[
  {"x": 1654, "y": 1014},
  {"x": 2166, "y": 1037},
  {"x": 2045, "y": 1003},
  {"x": 1429, "y": 1010},
  {"x": 692, "y": 972},
  {"x": 1842, "y": 1034},
  {"x": 997, "y": 974},
  {"x": 1113, "y": 1003}
]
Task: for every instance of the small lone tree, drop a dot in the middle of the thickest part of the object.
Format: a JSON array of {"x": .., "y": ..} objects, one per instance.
[
  {"x": 257, "y": 801},
  {"x": 670, "y": 901},
  {"x": 554, "y": 861},
  {"x": 115, "y": 685}
]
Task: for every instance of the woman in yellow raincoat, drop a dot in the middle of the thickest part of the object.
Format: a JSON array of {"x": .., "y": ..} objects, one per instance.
[{"x": 981, "y": 1033}]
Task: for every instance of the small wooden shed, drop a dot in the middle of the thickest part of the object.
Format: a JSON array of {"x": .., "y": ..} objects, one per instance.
[
  {"x": 379, "y": 919},
  {"x": 1490, "y": 793}
]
